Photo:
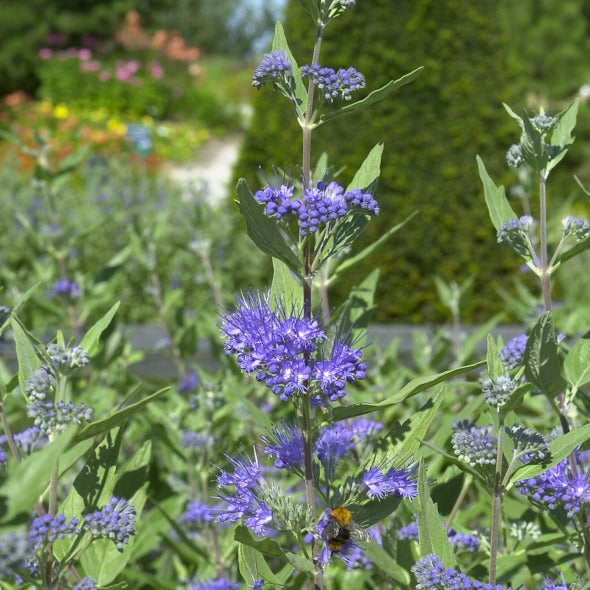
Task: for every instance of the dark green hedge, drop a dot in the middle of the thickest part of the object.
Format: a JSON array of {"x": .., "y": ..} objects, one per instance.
[{"x": 432, "y": 130}]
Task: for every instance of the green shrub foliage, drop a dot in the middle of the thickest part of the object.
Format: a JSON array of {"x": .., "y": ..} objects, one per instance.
[{"x": 432, "y": 130}]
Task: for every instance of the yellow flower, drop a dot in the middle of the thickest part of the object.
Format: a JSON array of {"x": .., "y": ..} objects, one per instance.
[
  {"x": 60, "y": 111},
  {"x": 116, "y": 127}
]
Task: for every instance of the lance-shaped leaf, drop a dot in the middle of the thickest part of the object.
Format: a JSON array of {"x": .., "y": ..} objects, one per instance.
[
  {"x": 279, "y": 43},
  {"x": 414, "y": 387},
  {"x": 90, "y": 341},
  {"x": 498, "y": 206},
  {"x": 263, "y": 231},
  {"x": 311, "y": 7},
  {"x": 385, "y": 562},
  {"x": 576, "y": 249},
  {"x": 562, "y": 132},
  {"x": 367, "y": 175},
  {"x": 577, "y": 364},
  {"x": 285, "y": 288},
  {"x": 373, "y": 97},
  {"x": 542, "y": 367},
  {"x": 27, "y": 357},
  {"x": 432, "y": 534}
]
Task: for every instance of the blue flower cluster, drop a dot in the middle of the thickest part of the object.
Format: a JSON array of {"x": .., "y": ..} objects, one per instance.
[
  {"x": 551, "y": 584},
  {"x": 65, "y": 288},
  {"x": 67, "y": 359},
  {"x": 218, "y": 584},
  {"x": 559, "y": 487},
  {"x": 196, "y": 516},
  {"x": 50, "y": 417},
  {"x": 497, "y": 391},
  {"x": 575, "y": 226},
  {"x": 515, "y": 233},
  {"x": 15, "y": 553},
  {"x": 26, "y": 441},
  {"x": 334, "y": 84},
  {"x": 474, "y": 445},
  {"x": 393, "y": 482},
  {"x": 274, "y": 65},
  {"x": 320, "y": 205},
  {"x": 288, "y": 353},
  {"x": 47, "y": 529},
  {"x": 116, "y": 521},
  {"x": 86, "y": 584},
  {"x": 333, "y": 443},
  {"x": 431, "y": 574},
  {"x": 512, "y": 353},
  {"x": 246, "y": 478},
  {"x": 467, "y": 541}
]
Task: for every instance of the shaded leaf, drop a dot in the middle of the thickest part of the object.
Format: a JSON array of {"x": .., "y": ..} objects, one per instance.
[{"x": 499, "y": 208}]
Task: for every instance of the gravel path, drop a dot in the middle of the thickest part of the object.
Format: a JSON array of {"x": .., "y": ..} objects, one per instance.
[{"x": 213, "y": 170}]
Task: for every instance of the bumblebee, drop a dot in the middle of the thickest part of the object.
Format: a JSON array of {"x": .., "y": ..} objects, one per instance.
[{"x": 340, "y": 528}]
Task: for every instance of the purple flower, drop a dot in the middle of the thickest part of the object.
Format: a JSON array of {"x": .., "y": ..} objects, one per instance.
[
  {"x": 286, "y": 351},
  {"x": 40, "y": 384},
  {"x": 49, "y": 417},
  {"x": 188, "y": 383},
  {"x": 391, "y": 483},
  {"x": 320, "y": 205},
  {"x": 515, "y": 233},
  {"x": 552, "y": 584},
  {"x": 465, "y": 541},
  {"x": 275, "y": 65},
  {"x": 116, "y": 521},
  {"x": 286, "y": 446},
  {"x": 431, "y": 574},
  {"x": 47, "y": 529},
  {"x": 218, "y": 584},
  {"x": 86, "y": 584},
  {"x": 558, "y": 487},
  {"x": 409, "y": 531},
  {"x": 244, "y": 504},
  {"x": 197, "y": 515},
  {"x": 575, "y": 226},
  {"x": 16, "y": 552},
  {"x": 474, "y": 445},
  {"x": 65, "y": 288},
  {"x": 334, "y": 84},
  {"x": 195, "y": 441},
  {"x": 332, "y": 444},
  {"x": 512, "y": 354}
]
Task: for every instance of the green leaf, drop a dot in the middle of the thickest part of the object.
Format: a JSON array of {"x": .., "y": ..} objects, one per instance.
[
  {"x": 29, "y": 478},
  {"x": 562, "y": 132},
  {"x": 267, "y": 546},
  {"x": 373, "y": 97},
  {"x": 495, "y": 367},
  {"x": 560, "y": 448},
  {"x": 576, "y": 365},
  {"x": 412, "y": 388},
  {"x": 576, "y": 249},
  {"x": 375, "y": 511},
  {"x": 263, "y": 231},
  {"x": 28, "y": 361},
  {"x": 431, "y": 533},
  {"x": 279, "y": 43},
  {"x": 499, "y": 208},
  {"x": 90, "y": 341},
  {"x": 311, "y": 8},
  {"x": 100, "y": 426},
  {"x": 285, "y": 287},
  {"x": 376, "y": 245},
  {"x": 542, "y": 367},
  {"x": 367, "y": 175},
  {"x": 253, "y": 567},
  {"x": 359, "y": 307},
  {"x": 346, "y": 232},
  {"x": 416, "y": 426},
  {"x": 102, "y": 560},
  {"x": 385, "y": 562}
]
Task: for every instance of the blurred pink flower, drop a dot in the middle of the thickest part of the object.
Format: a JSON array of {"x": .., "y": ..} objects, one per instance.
[
  {"x": 45, "y": 53},
  {"x": 104, "y": 75},
  {"x": 156, "y": 70},
  {"x": 84, "y": 54}
]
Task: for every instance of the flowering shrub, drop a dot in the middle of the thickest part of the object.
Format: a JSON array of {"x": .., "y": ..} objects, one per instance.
[{"x": 301, "y": 458}]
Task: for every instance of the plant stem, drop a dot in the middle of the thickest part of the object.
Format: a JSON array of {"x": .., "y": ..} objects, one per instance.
[
  {"x": 459, "y": 501},
  {"x": 497, "y": 502},
  {"x": 545, "y": 275}
]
